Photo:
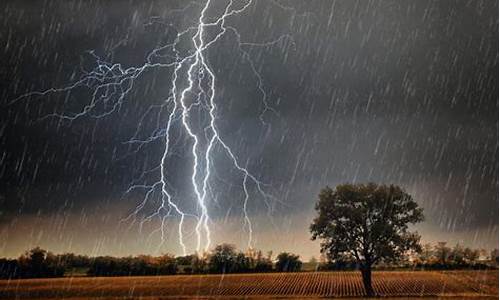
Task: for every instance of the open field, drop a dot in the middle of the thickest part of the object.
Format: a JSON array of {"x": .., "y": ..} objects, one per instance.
[{"x": 272, "y": 285}]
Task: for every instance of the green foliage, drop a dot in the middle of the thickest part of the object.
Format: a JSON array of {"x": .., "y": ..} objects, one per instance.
[
  {"x": 368, "y": 223},
  {"x": 38, "y": 263},
  {"x": 35, "y": 263},
  {"x": 442, "y": 253},
  {"x": 74, "y": 261},
  {"x": 442, "y": 257},
  {"x": 141, "y": 265},
  {"x": 184, "y": 260},
  {"x": 224, "y": 259},
  {"x": 259, "y": 263},
  {"x": 199, "y": 264},
  {"x": 288, "y": 262}
]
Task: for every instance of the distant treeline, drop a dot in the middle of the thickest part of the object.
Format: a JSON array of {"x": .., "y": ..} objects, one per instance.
[
  {"x": 440, "y": 256},
  {"x": 225, "y": 258},
  {"x": 39, "y": 263},
  {"x": 432, "y": 257}
]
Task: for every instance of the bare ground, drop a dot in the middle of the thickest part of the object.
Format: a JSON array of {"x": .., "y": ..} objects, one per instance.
[{"x": 464, "y": 284}]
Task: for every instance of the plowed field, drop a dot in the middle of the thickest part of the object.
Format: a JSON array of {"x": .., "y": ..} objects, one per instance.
[{"x": 286, "y": 285}]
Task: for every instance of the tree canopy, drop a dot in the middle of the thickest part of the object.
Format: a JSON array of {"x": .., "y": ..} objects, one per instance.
[
  {"x": 367, "y": 223},
  {"x": 288, "y": 262}
]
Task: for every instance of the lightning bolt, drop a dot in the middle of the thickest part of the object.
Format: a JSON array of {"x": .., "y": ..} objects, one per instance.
[{"x": 193, "y": 84}]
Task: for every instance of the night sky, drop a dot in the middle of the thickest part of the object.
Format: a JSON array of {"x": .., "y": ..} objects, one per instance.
[{"x": 402, "y": 92}]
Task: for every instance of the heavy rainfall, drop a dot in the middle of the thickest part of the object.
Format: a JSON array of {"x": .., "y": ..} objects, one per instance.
[{"x": 148, "y": 127}]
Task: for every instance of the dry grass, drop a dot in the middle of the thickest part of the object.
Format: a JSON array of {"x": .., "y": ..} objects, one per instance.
[{"x": 273, "y": 285}]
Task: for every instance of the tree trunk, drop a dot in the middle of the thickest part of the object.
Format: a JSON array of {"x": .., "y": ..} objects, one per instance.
[{"x": 366, "y": 272}]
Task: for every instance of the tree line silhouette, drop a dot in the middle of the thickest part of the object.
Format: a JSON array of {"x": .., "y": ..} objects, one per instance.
[
  {"x": 224, "y": 258},
  {"x": 431, "y": 257}
]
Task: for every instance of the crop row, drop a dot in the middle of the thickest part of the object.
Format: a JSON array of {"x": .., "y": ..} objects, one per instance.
[{"x": 321, "y": 284}]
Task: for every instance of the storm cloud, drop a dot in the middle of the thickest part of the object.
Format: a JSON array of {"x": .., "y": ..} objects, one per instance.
[{"x": 401, "y": 92}]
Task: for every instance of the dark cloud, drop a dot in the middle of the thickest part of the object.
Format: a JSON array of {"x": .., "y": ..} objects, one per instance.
[{"x": 388, "y": 91}]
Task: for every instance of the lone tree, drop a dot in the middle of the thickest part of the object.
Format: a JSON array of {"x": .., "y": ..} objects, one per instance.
[{"x": 367, "y": 223}]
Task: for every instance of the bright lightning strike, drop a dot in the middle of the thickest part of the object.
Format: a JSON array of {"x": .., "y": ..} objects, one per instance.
[{"x": 193, "y": 84}]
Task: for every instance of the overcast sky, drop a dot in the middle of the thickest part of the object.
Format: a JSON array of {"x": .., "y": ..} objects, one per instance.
[{"x": 401, "y": 92}]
